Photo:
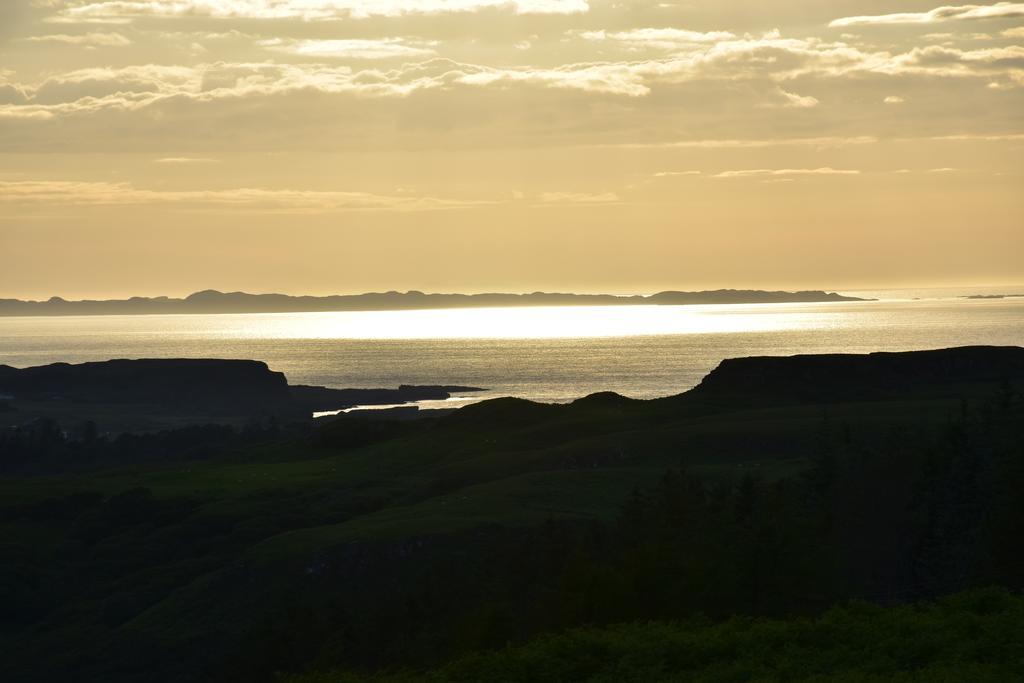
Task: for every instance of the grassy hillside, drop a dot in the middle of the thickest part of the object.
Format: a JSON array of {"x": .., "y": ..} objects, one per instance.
[{"x": 370, "y": 543}]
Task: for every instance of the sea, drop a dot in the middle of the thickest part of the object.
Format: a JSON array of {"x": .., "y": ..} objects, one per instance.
[{"x": 551, "y": 354}]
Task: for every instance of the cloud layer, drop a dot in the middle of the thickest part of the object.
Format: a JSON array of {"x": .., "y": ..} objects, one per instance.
[
  {"x": 766, "y": 66},
  {"x": 305, "y": 10},
  {"x": 1000, "y": 10}
]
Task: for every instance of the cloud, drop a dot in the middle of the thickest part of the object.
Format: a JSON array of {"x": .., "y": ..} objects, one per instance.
[
  {"x": 186, "y": 160},
  {"x": 938, "y": 60},
  {"x": 656, "y": 38},
  {"x": 951, "y": 37},
  {"x": 1000, "y": 10},
  {"x": 94, "y": 89},
  {"x": 384, "y": 48},
  {"x": 306, "y": 10},
  {"x": 972, "y": 137},
  {"x": 894, "y": 99},
  {"x": 12, "y": 94},
  {"x": 767, "y": 59},
  {"x": 59, "y": 192},
  {"x": 578, "y": 198},
  {"x": 765, "y": 63},
  {"x": 28, "y": 193},
  {"x": 794, "y": 101},
  {"x": 770, "y": 172},
  {"x": 25, "y": 113},
  {"x": 92, "y": 39},
  {"x": 753, "y": 143},
  {"x": 766, "y": 91},
  {"x": 613, "y": 78},
  {"x": 672, "y": 174}
]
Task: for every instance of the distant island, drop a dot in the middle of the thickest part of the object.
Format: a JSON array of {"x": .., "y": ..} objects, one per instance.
[{"x": 212, "y": 301}]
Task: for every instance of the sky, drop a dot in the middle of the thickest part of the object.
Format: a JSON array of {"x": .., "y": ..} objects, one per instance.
[{"x": 155, "y": 147}]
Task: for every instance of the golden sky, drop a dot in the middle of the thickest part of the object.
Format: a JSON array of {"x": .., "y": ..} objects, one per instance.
[{"x": 334, "y": 146}]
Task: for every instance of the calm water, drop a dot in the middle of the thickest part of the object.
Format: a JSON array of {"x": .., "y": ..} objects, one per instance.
[{"x": 548, "y": 354}]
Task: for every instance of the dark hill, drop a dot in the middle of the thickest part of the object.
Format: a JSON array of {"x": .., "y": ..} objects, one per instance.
[
  {"x": 161, "y": 382},
  {"x": 837, "y": 377},
  {"x": 604, "y": 399},
  {"x": 139, "y": 392},
  {"x": 504, "y": 412}
]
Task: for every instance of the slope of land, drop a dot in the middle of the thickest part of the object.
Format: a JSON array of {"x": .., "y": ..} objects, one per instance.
[
  {"x": 211, "y": 301},
  {"x": 776, "y": 489}
]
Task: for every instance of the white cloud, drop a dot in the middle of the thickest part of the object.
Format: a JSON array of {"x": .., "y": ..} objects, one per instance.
[
  {"x": 384, "y": 48},
  {"x": 1000, "y": 10},
  {"x": 762, "y": 61},
  {"x": 656, "y": 38},
  {"x": 59, "y": 192},
  {"x": 25, "y": 113},
  {"x": 969, "y": 137},
  {"x": 93, "y": 39},
  {"x": 756, "y": 172},
  {"x": 894, "y": 99},
  {"x": 795, "y": 101},
  {"x": 307, "y": 10},
  {"x": 67, "y": 19},
  {"x": 613, "y": 78},
  {"x": 754, "y": 143},
  {"x": 938, "y": 60},
  {"x": 769, "y": 58}
]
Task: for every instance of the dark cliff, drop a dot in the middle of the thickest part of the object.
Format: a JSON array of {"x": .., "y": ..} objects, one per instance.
[
  {"x": 848, "y": 376},
  {"x": 141, "y": 391},
  {"x": 160, "y": 382}
]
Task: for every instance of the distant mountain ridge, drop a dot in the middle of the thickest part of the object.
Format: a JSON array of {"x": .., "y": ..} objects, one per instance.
[{"x": 212, "y": 301}]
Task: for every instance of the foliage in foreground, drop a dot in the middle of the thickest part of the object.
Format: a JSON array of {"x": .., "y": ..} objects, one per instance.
[{"x": 971, "y": 636}]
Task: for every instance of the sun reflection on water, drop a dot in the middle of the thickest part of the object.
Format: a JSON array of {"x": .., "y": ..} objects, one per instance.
[{"x": 556, "y": 322}]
